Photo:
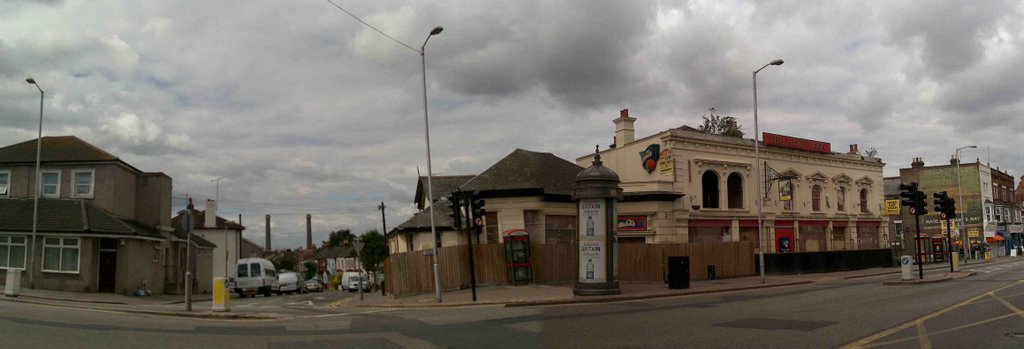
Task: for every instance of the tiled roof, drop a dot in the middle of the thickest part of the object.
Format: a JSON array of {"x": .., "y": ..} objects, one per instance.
[
  {"x": 335, "y": 252},
  {"x": 54, "y": 149},
  {"x": 197, "y": 240},
  {"x": 440, "y": 185},
  {"x": 524, "y": 169},
  {"x": 67, "y": 216},
  {"x": 200, "y": 217},
  {"x": 421, "y": 220}
]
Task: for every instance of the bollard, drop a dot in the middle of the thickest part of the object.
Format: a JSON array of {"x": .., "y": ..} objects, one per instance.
[
  {"x": 221, "y": 295},
  {"x": 905, "y": 265},
  {"x": 956, "y": 262}
]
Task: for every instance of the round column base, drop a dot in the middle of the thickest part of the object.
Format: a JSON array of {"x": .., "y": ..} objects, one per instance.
[{"x": 596, "y": 289}]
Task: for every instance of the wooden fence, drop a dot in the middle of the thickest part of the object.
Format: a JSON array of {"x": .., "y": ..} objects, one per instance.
[{"x": 412, "y": 273}]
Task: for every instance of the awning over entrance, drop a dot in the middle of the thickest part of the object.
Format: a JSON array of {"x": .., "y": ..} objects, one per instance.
[{"x": 996, "y": 238}]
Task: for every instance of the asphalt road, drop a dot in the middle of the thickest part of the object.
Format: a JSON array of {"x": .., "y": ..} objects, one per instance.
[{"x": 982, "y": 311}]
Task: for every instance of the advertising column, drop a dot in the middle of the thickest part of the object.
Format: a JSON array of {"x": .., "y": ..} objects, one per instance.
[{"x": 596, "y": 193}]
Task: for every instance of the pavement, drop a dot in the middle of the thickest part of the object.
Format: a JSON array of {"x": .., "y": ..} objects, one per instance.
[{"x": 508, "y": 296}]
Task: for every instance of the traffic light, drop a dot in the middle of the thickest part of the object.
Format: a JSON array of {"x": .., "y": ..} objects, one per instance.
[
  {"x": 920, "y": 204},
  {"x": 941, "y": 200},
  {"x": 911, "y": 197},
  {"x": 477, "y": 205},
  {"x": 456, "y": 211},
  {"x": 951, "y": 208}
]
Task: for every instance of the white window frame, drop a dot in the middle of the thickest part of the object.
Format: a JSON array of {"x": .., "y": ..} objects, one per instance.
[
  {"x": 8, "y": 244},
  {"x": 74, "y": 183},
  {"x": 6, "y": 191},
  {"x": 43, "y": 185},
  {"x": 60, "y": 254}
]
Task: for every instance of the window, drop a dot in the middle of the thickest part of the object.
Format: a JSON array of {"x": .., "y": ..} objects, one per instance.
[
  {"x": 988, "y": 213},
  {"x": 255, "y": 269},
  {"x": 51, "y": 184},
  {"x": 534, "y": 225},
  {"x": 83, "y": 185},
  {"x": 864, "y": 201},
  {"x": 735, "y": 187},
  {"x": 491, "y": 224},
  {"x": 60, "y": 255},
  {"x": 243, "y": 270},
  {"x": 709, "y": 189},
  {"x": 841, "y": 199},
  {"x": 5, "y": 183},
  {"x": 559, "y": 229},
  {"x": 12, "y": 252},
  {"x": 816, "y": 198}
]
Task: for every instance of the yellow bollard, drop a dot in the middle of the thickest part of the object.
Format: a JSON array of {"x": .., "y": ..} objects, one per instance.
[
  {"x": 956, "y": 262},
  {"x": 221, "y": 295}
]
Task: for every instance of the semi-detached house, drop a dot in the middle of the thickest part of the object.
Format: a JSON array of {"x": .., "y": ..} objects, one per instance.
[{"x": 103, "y": 225}]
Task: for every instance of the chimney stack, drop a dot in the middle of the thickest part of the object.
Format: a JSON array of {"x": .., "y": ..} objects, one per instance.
[
  {"x": 853, "y": 149},
  {"x": 309, "y": 233},
  {"x": 953, "y": 160},
  {"x": 211, "y": 214},
  {"x": 623, "y": 128},
  {"x": 917, "y": 163},
  {"x": 267, "y": 246}
]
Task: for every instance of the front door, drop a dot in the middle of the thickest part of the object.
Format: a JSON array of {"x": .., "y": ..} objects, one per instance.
[{"x": 108, "y": 265}]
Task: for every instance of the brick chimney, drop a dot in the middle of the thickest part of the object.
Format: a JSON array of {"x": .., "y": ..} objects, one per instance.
[
  {"x": 267, "y": 246},
  {"x": 309, "y": 233},
  {"x": 917, "y": 163},
  {"x": 953, "y": 160},
  {"x": 853, "y": 149},
  {"x": 623, "y": 128},
  {"x": 211, "y": 214}
]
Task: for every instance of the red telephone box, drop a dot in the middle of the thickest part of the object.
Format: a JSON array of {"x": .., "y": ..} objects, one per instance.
[{"x": 517, "y": 255}]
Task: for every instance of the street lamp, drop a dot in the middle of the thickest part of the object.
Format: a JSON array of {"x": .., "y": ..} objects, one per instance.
[
  {"x": 430, "y": 186},
  {"x": 960, "y": 191},
  {"x": 757, "y": 168},
  {"x": 35, "y": 198}
]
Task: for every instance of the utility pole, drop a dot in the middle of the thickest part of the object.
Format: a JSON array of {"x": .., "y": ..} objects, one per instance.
[
  {"x": 189, "y": 222},
  {"x": 384, "y": 223}
]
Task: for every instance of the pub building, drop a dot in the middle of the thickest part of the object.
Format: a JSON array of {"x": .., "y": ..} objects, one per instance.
[{"x": 683, "y": 185}]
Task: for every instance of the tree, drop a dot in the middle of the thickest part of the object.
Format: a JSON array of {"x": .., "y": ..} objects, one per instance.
[
  {"x": 375, "y": 250},
  {"x": 720, "y": 125},
  {"x": 284, "y": 261},
  {"x": 311, "y": 269},
  {"x": 343, "y": 237}
]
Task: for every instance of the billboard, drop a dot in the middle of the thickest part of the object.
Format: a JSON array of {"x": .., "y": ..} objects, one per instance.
[{"x": 935, "y": 179}]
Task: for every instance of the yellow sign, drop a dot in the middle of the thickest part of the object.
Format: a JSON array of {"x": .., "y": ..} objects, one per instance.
[
  {"x": 785, "y": 191},
  {"x": 892, "y": 207},
  {"x": 973, "y": 232},
  {"x": 665, "y": 161},
  {"x": 942, "y": 224}
]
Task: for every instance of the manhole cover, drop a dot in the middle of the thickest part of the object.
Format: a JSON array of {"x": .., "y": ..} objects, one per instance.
[{"x": 1015, "y": 334}]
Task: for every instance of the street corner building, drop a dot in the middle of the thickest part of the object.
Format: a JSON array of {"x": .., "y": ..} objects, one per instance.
[
  {"x": 683, "y": 185},
  {"x": 103, "y": 225}
]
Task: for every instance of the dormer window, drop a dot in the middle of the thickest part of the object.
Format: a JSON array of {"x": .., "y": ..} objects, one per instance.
[
  {"x": 51, "y": 184},
  {"x": 84, "y": 183}
]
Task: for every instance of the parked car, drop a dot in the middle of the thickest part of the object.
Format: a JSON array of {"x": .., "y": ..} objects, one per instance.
[
  {"x": 256, "y": 276},
  {"x": 346, "y": 279},
  {"x": 290, "y": 282},
  {"x": 314, "y": 285},
  {"x": 356, "y": 281}
]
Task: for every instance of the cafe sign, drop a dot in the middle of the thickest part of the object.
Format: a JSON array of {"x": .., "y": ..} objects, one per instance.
[{"x": 631, "y": 223}]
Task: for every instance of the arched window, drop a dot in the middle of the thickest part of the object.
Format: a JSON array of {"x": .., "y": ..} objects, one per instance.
[
  {"x": 709, "y": 189},
  {"x": 841, "y": 199},
  {"x": 864, "y": 201},
  {"x": 735, "y": 184},
  {"x": 816, "y": 198}
]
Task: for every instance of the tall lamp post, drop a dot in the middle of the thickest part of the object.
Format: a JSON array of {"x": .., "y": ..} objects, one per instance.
[
  {"x": 757, "y": 168},
  {"x": 35, "y": 198},
  {"x": 430, "y": 172},
  {"x": 962, "y": 204}
]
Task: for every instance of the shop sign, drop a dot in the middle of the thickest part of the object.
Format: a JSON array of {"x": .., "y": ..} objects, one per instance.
[
  {"x": 592, "y": 241},
  {"x": 666, "y": 163},
  {"x": 892, "y": 207},
  {"x": 1017, "y": 228},
  {"x": 649, "y": 157},
  {"x": 786, "y": 191},
  {"x": 973, "y": 232},
  {"x": 796, "y": 143},
  {"x": 631, "y": 223},
  {"x": 942, "y": 225}
]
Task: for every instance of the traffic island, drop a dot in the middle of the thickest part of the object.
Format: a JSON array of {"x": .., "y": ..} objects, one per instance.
[{"x": 929, "y": 279}]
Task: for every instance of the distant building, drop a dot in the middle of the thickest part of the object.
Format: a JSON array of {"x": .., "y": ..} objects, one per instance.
[{"x": 227, "y": 235}]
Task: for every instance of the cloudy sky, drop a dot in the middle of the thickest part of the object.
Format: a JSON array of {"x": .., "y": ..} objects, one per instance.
[{"x": 301, "y": 108}]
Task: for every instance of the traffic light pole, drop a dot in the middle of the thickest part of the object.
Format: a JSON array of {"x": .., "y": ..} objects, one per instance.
[
  {"x": 470, "y": 227},
  {"x": 920, "y": 265},
  {"x": 949, "y": 241}
]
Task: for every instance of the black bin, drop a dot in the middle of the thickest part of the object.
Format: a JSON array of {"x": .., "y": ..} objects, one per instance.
[
  {"x": 678, "y": 272},
  {"x": 711, "y": 272}
]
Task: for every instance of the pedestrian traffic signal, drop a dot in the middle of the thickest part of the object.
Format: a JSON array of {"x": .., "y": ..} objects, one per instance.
[
  {"x": 477, "y": 205},
  {"x": 456, "y": 210}
]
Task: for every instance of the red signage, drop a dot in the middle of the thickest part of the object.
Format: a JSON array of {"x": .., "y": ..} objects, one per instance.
[{"x": 796, "y": 143}]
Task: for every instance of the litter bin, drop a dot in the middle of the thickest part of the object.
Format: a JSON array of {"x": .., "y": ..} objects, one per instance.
[
  {"x": 678, "y": 272},
  {"x": 711, "y": 272},
  {"x": 13, "y": 283}
]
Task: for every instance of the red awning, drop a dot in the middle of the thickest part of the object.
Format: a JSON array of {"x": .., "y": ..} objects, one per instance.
[{"x": 994, "y": 238}]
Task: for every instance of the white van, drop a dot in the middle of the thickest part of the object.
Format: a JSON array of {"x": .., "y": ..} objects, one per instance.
[
  {"x": 290, "y": 282},
  {"x": 346, "y": 279},
  {"x": 256, "y": 276}
]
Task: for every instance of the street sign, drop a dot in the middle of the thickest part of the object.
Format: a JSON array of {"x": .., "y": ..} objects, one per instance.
[
  {"x": 943, "y": 215},
  {"x": 912, "y": 210},
  {"x": 905, "y": 260},
  {"x": 892, "y": 207}
]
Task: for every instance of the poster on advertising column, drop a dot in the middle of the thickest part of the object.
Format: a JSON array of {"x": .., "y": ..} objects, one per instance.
[{"x": 592, "y": 241}]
